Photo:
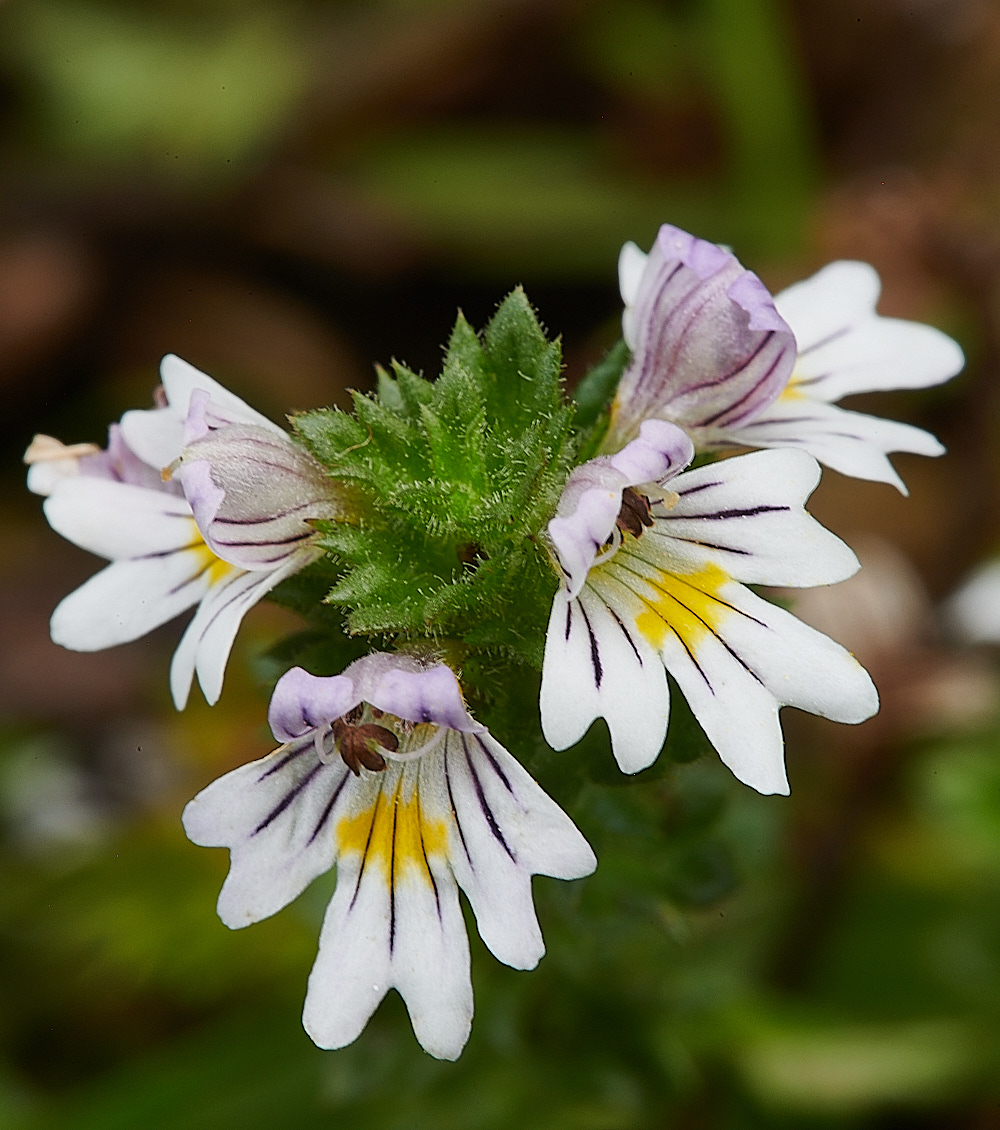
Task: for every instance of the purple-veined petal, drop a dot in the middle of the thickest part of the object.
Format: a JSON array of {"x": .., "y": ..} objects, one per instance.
[
  {"x": 670, "y": 599},
  {"x": 844, "y": 347},
  {"x": 455, "y": 810},
  {"x": 746, "y": 514},
  {"x": 737, "y": 659},
  {"x": 119, "y": 520},
  {"x": 709, "y": 348},
  {"x": 508, "y": 830},
  {"x": 156, "y": 435},
  {"x": 277, "y": 816},
  {"x": 129, "y": 598},
  {"x": 180, "y": 380},
  {"x": 205, "y": 646},
  {"x": 252, "y": 492},
  {"x": 394, "y": 920},
  {"x": 596, "y": 665},
  {"x": 850, "y": 442}
]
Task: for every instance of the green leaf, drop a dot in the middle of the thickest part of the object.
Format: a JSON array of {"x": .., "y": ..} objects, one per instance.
[{"x": 457, "y": 479}]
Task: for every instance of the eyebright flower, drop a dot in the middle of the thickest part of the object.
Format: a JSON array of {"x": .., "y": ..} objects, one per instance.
[
  {"x": 116, "y": 504},
  {"x": 655, "y": 564},
  {"x": 715, "y": 354},
  {"x": 384, "y": 773}
]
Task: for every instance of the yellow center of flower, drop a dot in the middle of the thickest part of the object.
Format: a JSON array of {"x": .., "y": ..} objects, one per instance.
[
  {"x": 206, "y": 560},
  {"x": 791, "y": 391},
  {"x": 394, "y": 834},
  {"x": 686, "y": 603}
]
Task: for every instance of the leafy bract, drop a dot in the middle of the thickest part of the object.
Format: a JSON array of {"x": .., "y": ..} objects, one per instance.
[{"x": 457, "y": 478}]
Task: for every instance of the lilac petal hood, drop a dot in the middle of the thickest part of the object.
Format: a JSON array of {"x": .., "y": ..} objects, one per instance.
[
  {"x": 709, "y": 348},
  {"x": 592, "y": 497},
  {"x": 400, "y": 685}
]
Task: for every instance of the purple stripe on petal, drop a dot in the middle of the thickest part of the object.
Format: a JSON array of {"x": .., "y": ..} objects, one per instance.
[{"x": 709, "y": 345}]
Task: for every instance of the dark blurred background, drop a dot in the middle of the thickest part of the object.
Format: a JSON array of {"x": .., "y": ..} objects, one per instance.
[{"x": 286, "y": 191}]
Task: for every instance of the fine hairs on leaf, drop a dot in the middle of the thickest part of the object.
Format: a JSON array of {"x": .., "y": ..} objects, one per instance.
[{"x": 457, "y": 478}]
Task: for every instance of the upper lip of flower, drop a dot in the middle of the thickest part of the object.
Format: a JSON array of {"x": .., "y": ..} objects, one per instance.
[
  {"x": 710, "y": 366},
  {"x": 709, "y": 347}
]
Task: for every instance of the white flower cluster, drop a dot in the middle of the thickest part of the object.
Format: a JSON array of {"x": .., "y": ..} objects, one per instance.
[{"x": 202, "y": 503}]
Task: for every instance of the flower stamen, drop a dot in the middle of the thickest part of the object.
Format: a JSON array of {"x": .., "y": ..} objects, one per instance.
[
  {"x": 354, "y": 743},
  {"x": 634, "y": 515}
]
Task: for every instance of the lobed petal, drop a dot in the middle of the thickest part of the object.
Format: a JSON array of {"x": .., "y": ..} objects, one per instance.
[
  {"x": 130, "y": 598},
  {"x": 403, "y": 840},
  {"x": 737, "y": 659},
  {"x": 596, "y": 665},
  {"x": 746, "y": 515},
  {"x": 428, "y": 694},
  {"x": 302, "y": 702},
  {"x": 205, "y": 646},
  {"x": 276, "y": 816},
  {"x": 506, "y": 829},
  {"x": 844, "y": 347},
  {"x": 119, "y": 520},
  {"x": 394, "y": 922},
  {"x": 849, "y": 442},
  {"x": 156, "y": 435}
]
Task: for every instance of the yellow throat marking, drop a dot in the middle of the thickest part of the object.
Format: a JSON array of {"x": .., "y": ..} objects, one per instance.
[
  {"x": 686, "y": 603},
  {"x": 394, "y": 834},
  {"x": 207, "y": 561},
  {"x": 791, "y": 391}
]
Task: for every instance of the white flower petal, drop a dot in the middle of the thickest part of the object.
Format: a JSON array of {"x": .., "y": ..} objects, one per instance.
[
  {"x": 449, "y": 808},
  {"x": 130, "y": 598},
  {"x": 428, "y": 962},
  {"x": 737, "y": 658},
  {"x": 631, "y": 265},
  {"x": 746, "y": 515},
  {"x": 156, "y": 435},
  {"x": 119, "y": 520},
  {"x": 46, "y": 474},
  {"x": 597, "y": 666},
  {"x": 394, "y": 921},
  {"x": 508, "y": 830},
  {"x": 208, "y": 640},
  {"x": 277, "y": 817},
  {"x": 180, "y": 379},
  {"x": 845, "y": 347},
  {"x": 821, "y": 306},
  {"x": 849, "y": 442}
]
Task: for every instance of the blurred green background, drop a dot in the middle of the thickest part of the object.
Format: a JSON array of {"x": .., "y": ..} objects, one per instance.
[{"x": 284, "y": 191}]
